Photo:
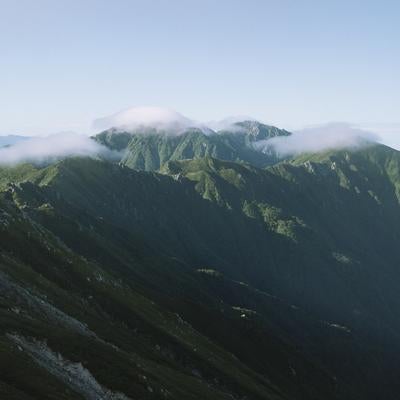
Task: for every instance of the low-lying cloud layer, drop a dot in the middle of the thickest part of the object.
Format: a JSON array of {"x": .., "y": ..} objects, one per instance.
[
  {"x": 319, "y": 138},
  {"x": 229, "y": 123},
  {"x": 314, "y": 139},
  {"x": 161, "y": 119},
  {"x": 41, "y": 149}
]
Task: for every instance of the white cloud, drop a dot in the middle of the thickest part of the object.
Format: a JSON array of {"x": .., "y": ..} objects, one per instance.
[
  {"x": 319, "y": 138},
  {"x": 39, "y": 149},
  {"x": 162, "y": 119},
  {"x": 229, "y": 123},
  {"x": 312, "y": 139}
]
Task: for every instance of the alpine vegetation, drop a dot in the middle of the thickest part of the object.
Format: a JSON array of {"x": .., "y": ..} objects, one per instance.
[
  {"x": 155, "y": 254},
  {"x": 118, "y": 250}
]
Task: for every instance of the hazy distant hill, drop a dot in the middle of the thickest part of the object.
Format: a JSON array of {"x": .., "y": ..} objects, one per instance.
[{"x": 9, "y": 140}]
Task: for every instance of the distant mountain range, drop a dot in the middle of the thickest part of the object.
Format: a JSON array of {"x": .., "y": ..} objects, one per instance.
[
  {"x": 197, "y": 267},
  {"x": 9, "y": 140}
]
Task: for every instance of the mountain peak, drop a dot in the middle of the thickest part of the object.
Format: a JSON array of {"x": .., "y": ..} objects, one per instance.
[
  {"x": 139, "y": 118},
  {"x": 259, "y": 131}
]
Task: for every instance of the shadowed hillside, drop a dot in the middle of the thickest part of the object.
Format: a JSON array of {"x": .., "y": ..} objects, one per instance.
[{"x": 212, "y": 279}]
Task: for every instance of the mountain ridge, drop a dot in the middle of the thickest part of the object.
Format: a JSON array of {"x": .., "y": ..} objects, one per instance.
[
  {"x": 148, "y": 149},
  {"x": 133, "y": 265}
]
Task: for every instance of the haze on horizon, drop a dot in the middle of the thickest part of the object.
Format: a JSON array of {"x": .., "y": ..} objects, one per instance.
[{"x": 290, "y": 64}]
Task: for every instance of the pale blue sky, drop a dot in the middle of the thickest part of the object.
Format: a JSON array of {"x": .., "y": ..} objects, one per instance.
[{"x": 291, "y": 63}]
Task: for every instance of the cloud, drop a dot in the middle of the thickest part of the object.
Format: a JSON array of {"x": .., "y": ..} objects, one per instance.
[
  {"x": 318, "y": 138},
  {"x": 136, "y": 118},
  {"x": 42, "y": 149},
  {"x": 229, "y": 123}
]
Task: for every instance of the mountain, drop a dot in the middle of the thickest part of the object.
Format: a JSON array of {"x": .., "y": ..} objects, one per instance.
[
  {"x": 91, "y": 309},
  {"x": 209, "y": 279},
  {"x": 148, "y": 149}
]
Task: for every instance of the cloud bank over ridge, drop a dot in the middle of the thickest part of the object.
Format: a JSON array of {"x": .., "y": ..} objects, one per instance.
[
  {"x": 42, "y": 149},
  {"x": 337, "y": 135},
  {"x": 170, "y": 122}
]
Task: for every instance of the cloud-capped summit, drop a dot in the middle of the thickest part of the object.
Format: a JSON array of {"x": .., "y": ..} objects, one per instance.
[{"x": 162, "y": 119}]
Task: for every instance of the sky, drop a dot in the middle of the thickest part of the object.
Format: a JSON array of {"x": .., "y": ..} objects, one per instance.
[{"x": 293, "y": 64}]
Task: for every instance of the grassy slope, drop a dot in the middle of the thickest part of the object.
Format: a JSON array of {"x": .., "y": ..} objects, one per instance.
[
  {"x": 297, "y": 230},
  {"x": 146, "y": 345},
  {"x": 129, "y": 298}
]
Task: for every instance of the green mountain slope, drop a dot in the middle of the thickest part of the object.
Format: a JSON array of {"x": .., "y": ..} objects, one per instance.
[
  {"x": 149, "y": 149},
  {"x": 330, "y": 209},
  {"x": 213, "y": 279},
  {"x": 81, "y": 293}
]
